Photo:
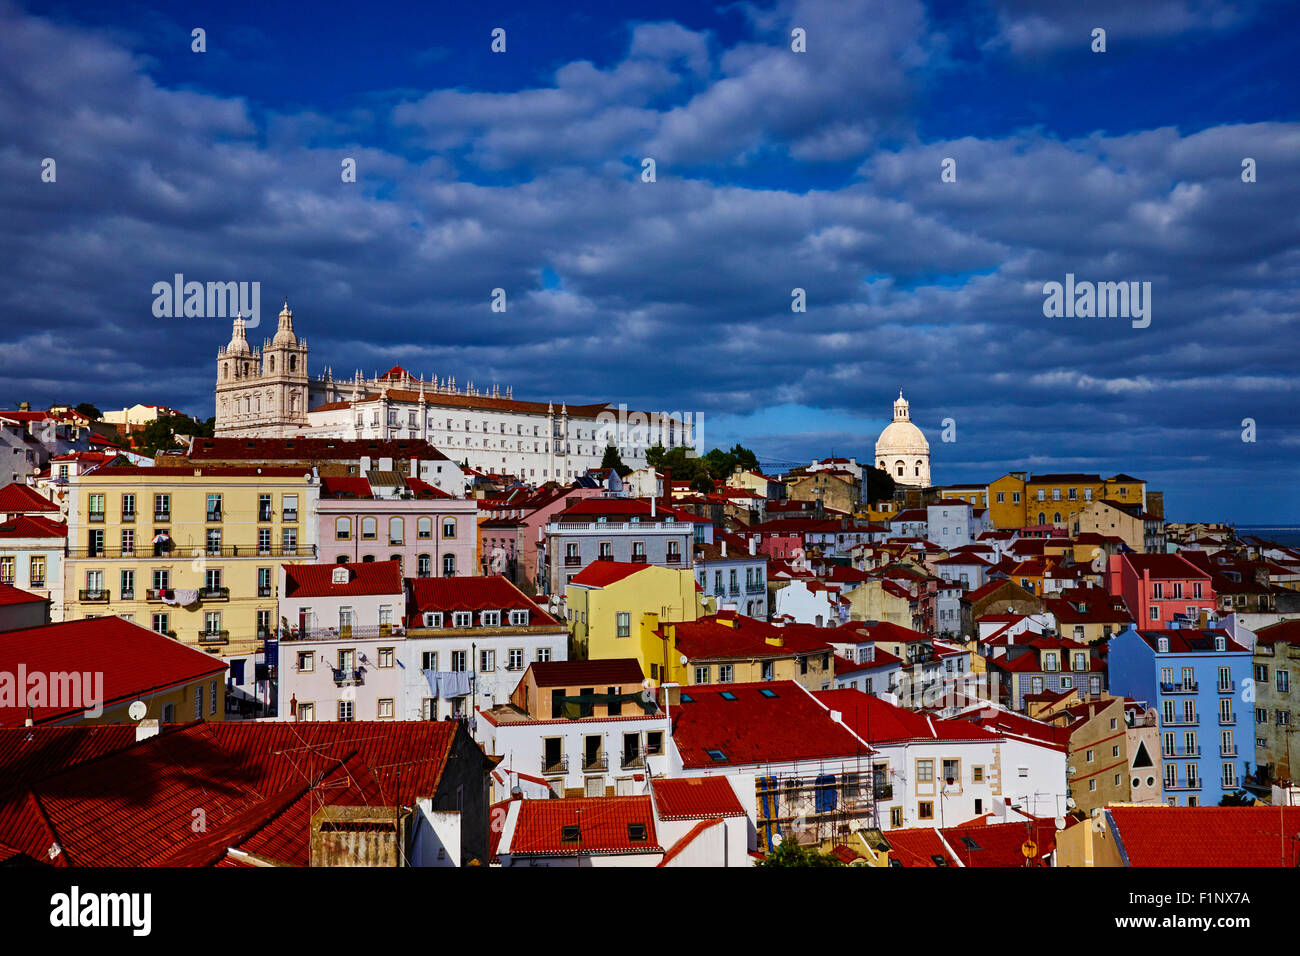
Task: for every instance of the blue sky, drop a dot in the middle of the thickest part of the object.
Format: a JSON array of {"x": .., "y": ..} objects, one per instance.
[{"x": 775, "y": 170}]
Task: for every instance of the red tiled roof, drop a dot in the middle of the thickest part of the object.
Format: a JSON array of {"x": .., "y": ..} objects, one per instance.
[
  {"x": 614, "y": 671},
  {"x": 19, "y": 498},
  {"x": 599, "y": 574},
  {"x": 364, "y": 578},
  {"x": 345, "y": 486},
  {"x": 1285, "y": 631},
  {"x": 709, "y": 639},
  {"x": 12, "y": 595},
  {"x": 755, "y": 728},
  {"x": 33, "y": 526},
  {"x": 1190, "y": 640},
  {"x": 1164, "y": 566},
  {"x": 493, "y": 593},
  {"x": 1208, "y": 836},
  {"x": 918, "y": 847},
  {"x": 884, "y": 631},
  {"x": 604, "y": 825},
  {"x": 882, "y": 659},
  {"x": 311, "y": 449},
  {"x": 133, "y": 660},
  {"x": 691, "y": 798},
  {"x": 258, "y": 784},
  {"x": 877, "y": 721}
]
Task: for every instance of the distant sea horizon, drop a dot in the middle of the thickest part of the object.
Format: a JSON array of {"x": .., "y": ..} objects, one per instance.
[{"x": 1288, "y": 535}]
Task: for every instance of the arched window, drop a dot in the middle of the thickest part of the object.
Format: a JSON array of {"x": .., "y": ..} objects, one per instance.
[
  {"x": 270, "y": 364},
  {"x": 396, "y": 531},
  {"x": 1042, "y": 518},
  {"x": 341, "y": 559},
  {"x": 899, "y": 466},
  {"x": 367, "y": 559},
  {"x": 342, "y": 529},
  {"x": 424, "y": 527},
  {"x": 448, "y": 565},
  {"x": 918, "y": 469},
  {"x": 423, "y": 566},
  {"x": 225, "y": 370},
  {"x": 369, "y": 529},
  {"x": 882, "y": 464},
  {"x": 293, "y": 363},
  {"x": 449, "y": 527},
  {"x": 1056, "y": 518}
]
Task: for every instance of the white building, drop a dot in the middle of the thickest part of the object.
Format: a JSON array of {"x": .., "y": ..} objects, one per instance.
[
  {"x": 902, "y": 449},
  {"x": 950, "y": 523},
  {"x": 267, "y": 392},
  {"x": 812, "y": 602}
]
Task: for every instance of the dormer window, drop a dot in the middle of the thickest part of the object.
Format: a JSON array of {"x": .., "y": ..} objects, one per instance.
[
  {"x": 433, "y": 619},
  {"x": 1220, "y": 644},
  {"x": 490, "y": 618},
  {"x": 462, "y": 619},
  {"x": 1162, "y": 645},
  {"x": 519, "y": 618},
  {"x": 341, "y": 575}
]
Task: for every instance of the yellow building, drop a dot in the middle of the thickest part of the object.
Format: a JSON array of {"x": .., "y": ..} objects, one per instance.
[
  {"x": 1007, "y": 501},
  {"x": 191, "y": 552},
  {"x": 614, "y": 610},
  {"x": 880, "y": 600},
  {"x": 1100, "y": 517}
]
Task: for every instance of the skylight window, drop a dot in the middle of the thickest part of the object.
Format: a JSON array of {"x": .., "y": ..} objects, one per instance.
[
  {"x": 569, "y": 833},
  {"x": 727, "y": 695},
  {"x": 767, "y": 692},
  {"x": 687, "y": 699},
  {"x": 716, "y": 755},
  {"x": 636, "y": 832},
  {"x": 969, "y": 843}
]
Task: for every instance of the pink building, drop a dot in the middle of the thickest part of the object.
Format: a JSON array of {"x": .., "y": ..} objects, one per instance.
[
  {"x": 511, "y": 530},
  {"x": 430, "y": 533},
  {"x": 1158, "y": 586}
]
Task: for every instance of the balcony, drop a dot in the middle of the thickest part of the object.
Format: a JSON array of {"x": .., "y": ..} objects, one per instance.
[
  {"x": 673, "y": 558},
  {"x": 37, "y": 583},
  {"x": 1183, "y": 752},
  {"x": 758, "y": 588},
  {"x": 128, "y": 594},
  {"x": 155, "y": 595},
  {"x": 182, "y": 552},
  {"x": 214, "y": 516},
  {"x": 351, "y": 632},
  {"x": 1183, "y": 721},
  {"x": 883, "y": 791},
  {"x": 290, "y": 514},
  {"x": 1227, "y": 750},
  {"x": 97, "y": 516},
  {"x": 632, "y": 761},
  {"x": 572, "y": 561},
  {"x": 558, "y": 765},
  {"x": 347, "y": 677},
  {"x": 1227, "y": 689},
  {"x": 638, "y": 559},
  {"x": 595, "y": 764},
  {"x": 263, "y": 591},
  {"x": 128, "y": 515},
  {"x": 604, "y": 557},
  {"x": 1184, "y": 687},
  {"x": 214, "y": 637},
  {"x": 214, "y": 594},
  {"x": 1227, "y": 720},
  {"x": 93, "y": 596},
  {"x": 162, "y": 517}
]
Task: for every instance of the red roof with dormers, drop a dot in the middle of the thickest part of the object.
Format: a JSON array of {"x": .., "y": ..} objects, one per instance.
[
  {"x": 364, "y": 578},
  {"x": 32, "y": 526},
  {"x": 493, "y": 593},
  {"x": 604, "y": 824},
  {"x": 16, "y": 498},
  {"x": 765, "y": 722},
  {"x": 693, "y": 798}
]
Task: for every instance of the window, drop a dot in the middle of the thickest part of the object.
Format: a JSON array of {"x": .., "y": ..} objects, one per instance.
[
  {"x": 624, "y": 624},
  {"x": 342, "y": 529},
  {"x": 702, "y": 673},
  {"x": 289, "y": 507},
  {"x": 160, "y": 623},
  {"x": 1283, "y": 682},
  {"x": 128, "y": 507},
  {"x": 396, "y": 531},
  {"x": 462, "y": 618},
  {"x": 289, "y": 541},
  {"x": 518, "y": 618},
  {"x": 212, "y": 699},
  {"x": 448, "y": 565},
  {"x": 515, "y": 656},
  {"x": 385, "y": 657},
  {"x": 977, "y": 774},
  {"x": 925, "y": 771},
  {"x": 214, "y": 507},
  {"x": 96, "y": 507},
  {"x": 542, "y": 654},
  {"x": 429, "y": 661},
  {"x": 925, "y": 810},
  {"x": 345, "y": 710},
  {"x": 162, "y": 507},
  {"x": 369, "y": 529},
  {"x": 895, "y": 817},
  {"x": 726, "y": 673},
  {"x": 423, "y": 566},
  {"x": 128, "y": 585},
  {"x": 384, "y": 710},
  {"x": 424, "y": 527},
  {"x": 458, "y": 661},
  {"x": 449, "y": 527}
]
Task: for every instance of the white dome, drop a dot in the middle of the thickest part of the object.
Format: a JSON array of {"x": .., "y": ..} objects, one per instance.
[
  {"x": 238, "y": 343},
  {"x": 901, "y": 438}
]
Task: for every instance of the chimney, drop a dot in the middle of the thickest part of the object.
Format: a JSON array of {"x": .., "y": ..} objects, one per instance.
[
  {"x": 653, "y": 500},
  {"x": 29, "y": 722},
  {"x": 724, "y": 549},
  {"x": 146, "y": 729},
  {"x": 753, "y": 546}
]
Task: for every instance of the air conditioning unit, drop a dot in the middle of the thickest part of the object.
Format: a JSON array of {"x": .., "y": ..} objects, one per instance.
[{"x": 1071, "y": 770}]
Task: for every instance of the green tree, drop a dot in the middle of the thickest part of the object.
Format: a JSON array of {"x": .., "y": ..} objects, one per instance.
[
  {"x": 702, "y": 483},
  {"x": 614, "y": 460},
  {"x": 880, "y": 484},
  {"x": 744, "y": 457},
  {"x": 90, "y": 411},
  {"x": 790, "y": 853}
]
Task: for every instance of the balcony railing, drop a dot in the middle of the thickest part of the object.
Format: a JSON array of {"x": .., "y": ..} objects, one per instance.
[
  {"x": 596, "y": 764},
  {"x": 632, "y": 761},
  {"x": 128, "y": 515},
  {"x": 604, "y": 557},
  {"x": 95, "y": 516},
  {"x": 1180, "y": 687},
  {"x": 347, "y": 677},
  {"x": 214, "y": 594},
  {"x": 559, "y": 765},
  {"x": 94, "y": 595},
  {"x": 1226, "y": 689},
  {"x": 1227, "y": 750},
  {"x": 264, "y": 591},
  {"x": 38, "y": 582},
  {"x": 572, "y": 561},
  {"x": 673, "y": 558},
  {"x": 638, "y": 559},
  {"x": 162, "y": 516},
  {"x": 128, "y": 594},
  {"x": 290, "y": 514},
  {"x": 1183, "y": 752},
  {"x": 181, "y": 552},
  {"x": 756, "y": 588},
  {"x": 1227, "y": 720},
  {"x": 214, "y": 637},
  {"x": 1183, "y": 721},
  {"x": 214, "y": 515},
  {"x": 350, "y": 632}
]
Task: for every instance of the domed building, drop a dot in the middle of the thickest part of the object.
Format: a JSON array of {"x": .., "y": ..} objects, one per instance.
[{"x": 902, "y": 449}]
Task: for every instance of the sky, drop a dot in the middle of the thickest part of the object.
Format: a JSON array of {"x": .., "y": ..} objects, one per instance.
[{"x": 775, "y": 170}]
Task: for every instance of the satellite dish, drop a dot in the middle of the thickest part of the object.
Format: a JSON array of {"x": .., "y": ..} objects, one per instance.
[
  {"x": 137, "y": 710},
  {"x": 683, "y": 660},
  {"x": 1059, "y": 823}
]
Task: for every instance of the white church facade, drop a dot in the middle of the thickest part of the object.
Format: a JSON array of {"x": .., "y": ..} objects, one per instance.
[{"x": 267, "y": 393}]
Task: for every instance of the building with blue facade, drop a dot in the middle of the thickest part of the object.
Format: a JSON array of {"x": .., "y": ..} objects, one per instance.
[{"x": 1196, "y": 681}]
